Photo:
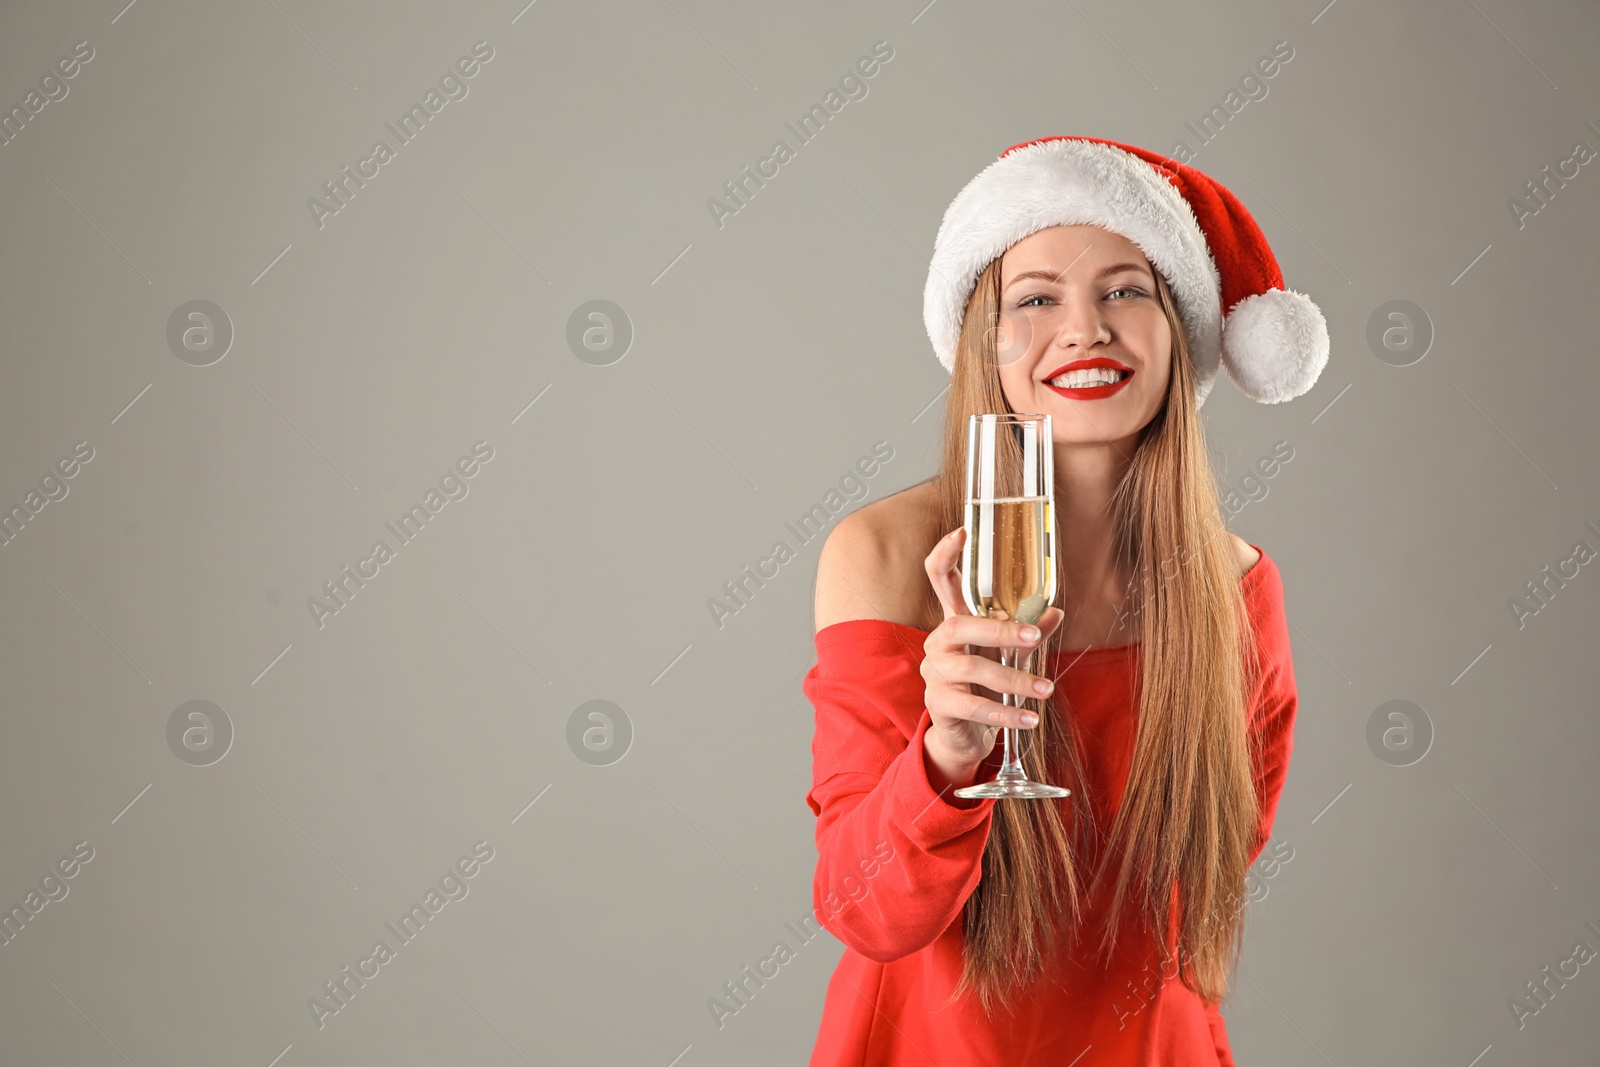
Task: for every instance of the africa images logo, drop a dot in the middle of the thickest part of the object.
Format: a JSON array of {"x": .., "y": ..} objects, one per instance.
[
  {"x": 453, "y": 485},
  {"x": 852, "y": 86},
  {"x": 853, "y": 488},
  {"x": 452, "y": 86},
  {"x": 453, "y": 886}
]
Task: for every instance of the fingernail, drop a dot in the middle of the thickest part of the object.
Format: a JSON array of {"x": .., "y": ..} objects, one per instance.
[
  {"x": 1041, "y": 687},
  {"x": 956, "y": 531},
  {"x": 1030, "y": 719},
  {"x": 1030, "y": 633}
]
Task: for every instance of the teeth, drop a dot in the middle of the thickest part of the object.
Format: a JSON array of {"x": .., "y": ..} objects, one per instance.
[{"x": 1082, "y": 379}]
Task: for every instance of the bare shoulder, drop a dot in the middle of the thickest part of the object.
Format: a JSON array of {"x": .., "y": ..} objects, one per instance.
[
  {"x": 1247, "y": 556},
  {"x": 871, "y": 565}
]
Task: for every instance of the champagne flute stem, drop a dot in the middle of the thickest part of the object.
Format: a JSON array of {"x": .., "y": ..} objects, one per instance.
[
  {"x": 1011, "y": 763},
  {"x": 1011, "y": 767}
]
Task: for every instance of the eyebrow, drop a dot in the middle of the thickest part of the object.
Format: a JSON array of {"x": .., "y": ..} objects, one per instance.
[{"x": 1056, "y": 275}]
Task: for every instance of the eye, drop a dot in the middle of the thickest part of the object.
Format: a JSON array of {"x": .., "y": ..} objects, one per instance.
[{"x": 1131, "y": 289}]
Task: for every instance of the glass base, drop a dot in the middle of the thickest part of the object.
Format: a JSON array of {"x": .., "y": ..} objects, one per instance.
[{"x": 1016, "y": 787}]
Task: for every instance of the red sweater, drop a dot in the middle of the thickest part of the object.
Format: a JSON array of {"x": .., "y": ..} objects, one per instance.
[{"x": 897, "y": 862}]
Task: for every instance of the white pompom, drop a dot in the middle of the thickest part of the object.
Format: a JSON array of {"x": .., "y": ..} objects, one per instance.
[{"x": 1274, "y": 345}]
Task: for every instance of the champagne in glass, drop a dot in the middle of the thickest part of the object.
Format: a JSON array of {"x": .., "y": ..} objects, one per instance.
[
  {"x": 1008, "y": 565},
  {"x": 1009, "y": 570}
]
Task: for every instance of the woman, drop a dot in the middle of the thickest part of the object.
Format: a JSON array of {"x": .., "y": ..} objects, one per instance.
[{"x": 1084, "y": 279}]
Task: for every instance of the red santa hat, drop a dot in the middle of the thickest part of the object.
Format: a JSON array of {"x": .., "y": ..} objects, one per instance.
[{"x": 1273, "y": 340}]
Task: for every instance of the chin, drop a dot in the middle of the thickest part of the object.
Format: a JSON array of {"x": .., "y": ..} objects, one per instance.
[
  {"x": 1096, "y": 425},
  {"x": 1093, "y": 442}
]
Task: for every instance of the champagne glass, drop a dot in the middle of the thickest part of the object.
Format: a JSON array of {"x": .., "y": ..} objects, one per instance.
[{"x": 1008, "y": 565}]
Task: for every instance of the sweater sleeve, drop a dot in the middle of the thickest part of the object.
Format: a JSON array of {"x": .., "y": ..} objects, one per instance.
[
  {"x": 1273, "y": 705},
  {"x": 896, "y": 861},
  {"x": 1219, "y": 1034}
]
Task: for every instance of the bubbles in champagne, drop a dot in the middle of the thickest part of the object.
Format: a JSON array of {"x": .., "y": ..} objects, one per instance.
[{"x": 1008, "y": 568}]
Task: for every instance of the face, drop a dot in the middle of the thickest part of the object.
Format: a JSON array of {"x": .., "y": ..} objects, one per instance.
[{"x": 1080, "y": 302}]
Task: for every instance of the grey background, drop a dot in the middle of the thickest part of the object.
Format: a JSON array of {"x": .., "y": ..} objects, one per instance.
[{"x": 768, "y": 355}]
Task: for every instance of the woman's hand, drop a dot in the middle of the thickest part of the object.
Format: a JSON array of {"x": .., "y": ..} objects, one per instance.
[{"x": 963, "y": 687}]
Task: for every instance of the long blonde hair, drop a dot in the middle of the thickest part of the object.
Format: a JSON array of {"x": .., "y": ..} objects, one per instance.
[{"x": 1189, "y": 811}]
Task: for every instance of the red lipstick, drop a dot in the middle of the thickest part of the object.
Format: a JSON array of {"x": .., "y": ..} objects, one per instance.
[{"x": 1097, "y": 392}]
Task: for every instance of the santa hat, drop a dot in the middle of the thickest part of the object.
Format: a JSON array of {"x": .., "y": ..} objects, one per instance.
[{"x": 1273, "y": 340}]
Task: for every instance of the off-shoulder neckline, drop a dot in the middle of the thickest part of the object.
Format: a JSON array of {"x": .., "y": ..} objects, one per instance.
[{"x": 843, "y": 629}]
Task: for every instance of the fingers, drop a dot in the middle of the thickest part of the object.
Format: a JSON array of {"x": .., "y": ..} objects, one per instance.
[
  {"x": 1002, "y": 679},
  {"x": 992, "y": 713},
  {"x": 966, "y": 686},
  {"x": 969, "y": 629},
  {"x": 1050, "y": 622},
  {"x": 944, "y": 574},
  {"x": 969, "y": 728}
]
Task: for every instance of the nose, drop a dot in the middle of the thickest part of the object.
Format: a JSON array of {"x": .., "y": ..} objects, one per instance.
[{"x": 1078, "y": 321}]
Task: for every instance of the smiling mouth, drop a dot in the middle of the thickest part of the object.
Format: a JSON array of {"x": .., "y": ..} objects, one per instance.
[
  {"x": 1090, "y": 383},
  {"x": 1093, "y": 376}
]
